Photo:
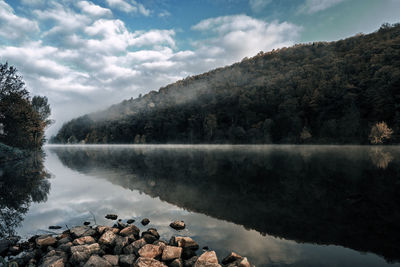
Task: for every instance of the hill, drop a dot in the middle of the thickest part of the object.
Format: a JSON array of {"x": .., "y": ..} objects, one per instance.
[{"x": 322, "y": 92}]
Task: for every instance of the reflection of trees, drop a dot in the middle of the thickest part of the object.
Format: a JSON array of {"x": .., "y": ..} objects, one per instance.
[
  {"x": 20, "y": 183},
  {"x": 327, "y": 195},
  {"x": 380, "y": 158}
]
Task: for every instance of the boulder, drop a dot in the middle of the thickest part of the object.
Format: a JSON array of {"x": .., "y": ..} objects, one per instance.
[
  {"x": 83, "y": 252},
  {"x": 152, "y": 232},
  {"x": 150, "y": 239},
  {"x": 24, "y": 257},
  {"x": 134, "y": 247},
  {"x": 86, "y": 223},
  {"x": 145, "y": 221},
  {"x": 54, "y": 227},
  {"x": 64, "y": 240},
  {"x": 45, "y": 240},
  {"x": 130, "y": 230},
  {"x": 231, "y": 258},
  {"x": 108, "y": 238},
  {"x": 101, "y": 229},
  {"x": 127, "y": 260},
  {"x": 130, "y": 221},
  {"x": 112, "y": 259},
  {"x": 84, "y": 240},
  {"x": 148, "y": 262},
  {"x": 242, "y": 262},
  {"x": 176, "y": 263},
  {"x": 80, "y": 231},
  {"x": 171, "y": 253},
  {"x": 54, "y": 259},
  {"x": 186, "y": 242},
  {"x": 178, "y": 225},
  {"x": 150, "y": 251},
  {"x": 111, "y": 216},
  {"x": 207, "y": 259},
  {"x": 121, "y": 225},
  {"x": 65, "y": 247},
  {"x": 97, "y": 261},
  {"x": 120, "y": 243},
  {"x": 190, "y": 262},
  {"x": 160, "y": 243},
  {"x": 188, "y": 253}
]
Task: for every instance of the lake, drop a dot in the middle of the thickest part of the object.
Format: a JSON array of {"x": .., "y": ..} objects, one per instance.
[{"x": 278, "y": 205}]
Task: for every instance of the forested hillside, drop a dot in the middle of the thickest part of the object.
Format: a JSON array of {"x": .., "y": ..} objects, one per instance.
[{"x": 324, "y": 92}]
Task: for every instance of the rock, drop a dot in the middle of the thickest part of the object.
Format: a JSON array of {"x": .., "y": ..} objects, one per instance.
[
  {"x": 134, "y": 247},
  {"x": 108, "y": 238},
  {"x": 101, "y": 229},
  {"x": 127, "y": 260},
  {"x": 207, "y": 259},
  {"x": 160, "y": 243},
  {"x": 231, "y": 258},
  {"x": 83, "y": 252},
  {"x": 120, "y": 243},
  {"x": 54, "y": 259},
  {"x": 4, "y": 244},
  {"x": 188, "y": 253},
  {"x": 172, "y": 241},
  {"x": 178, "y": 225},
  {"x": 112, "y": 259},
  {"x": 190, "y": 262},
  {"x": 86, "y": 223},
  {"x": 205, "y": 248},
  {"x": 150, "y": 239},
  {"x": 186, "y": 242},
  {"x": 131, "y": 238},
  {"x": 121, "y": 225},
  {"x": 145, "y": 221},
  {"x": 148, "y": 262},
  {"x": 65, "y": 247},
  {"x": 152, "y": 232},
  {"x": 171, "y": 253},
  {"x": 150, "y": 251},
  {"x": 54, "y": 227},
  {"x": 80, "y": 231},
  {"x": 63, "y": 240},
  {"x": 24, "y": 257},
  {"x": 130, "y": 230},
  {"x": 84, "y": 240},
  {"x": 176, "y": 263},
  {"x": 14, "y": 250},
  {"x": 111, "y": 216},
  {"x": 115, "y": 230},
  {"x": 130, "y": 221},
  {"x": 45, "y": 240},
  {"x": 97, "y": 261}
]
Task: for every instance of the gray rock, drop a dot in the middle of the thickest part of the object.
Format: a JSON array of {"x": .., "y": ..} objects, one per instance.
[
  {"x": 65, "y": 247},
  {"x": 150, "y": 239},
  {"x": 112, "y": 259},
  {"x": 108, "y": 238},
  {"x": 121, "y": 225},
  {"x": 134, "y": 247},
  {"x": 171, "y": 253},
  {"x": 130, "y": 221},
  {"x": 127, "y": 260},
  {"x": 120, "y": 243},
  {"x": 148, "y": 262},
  {"x": 111, "y": 216},
  {"x": 231, "y": 258},
  {"x": 176, "y": 263},
  {"x": 190, "y": 262},
  {"x": 178, "y": 225},
  {"x": 83, "y": 252},
  {"x": 64, "y": 240},
  {"x": 150, "y": 251},
  {"x": 145, "y": 221},
  {"x": 54, "y": 227},
  {"x": 80, "y": 231},
  {"x": 207, "y": 259},
  {"x": 97, "y": 261}
]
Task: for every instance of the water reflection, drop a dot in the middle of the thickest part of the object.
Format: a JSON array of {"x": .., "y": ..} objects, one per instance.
[
  {"x": 313, "y": 194},
  {"x": 21, "y": 182}
]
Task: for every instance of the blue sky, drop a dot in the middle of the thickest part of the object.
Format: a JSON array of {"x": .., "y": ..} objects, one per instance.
[{"x": 86, "y": 55}]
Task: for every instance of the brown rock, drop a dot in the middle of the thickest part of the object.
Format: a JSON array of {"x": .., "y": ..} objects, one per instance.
[
  {"x": 64, "y": 240},
  {"x": 108, "y": 238},
  {"x": 231, "y": 258},
  {"x": 84, "y": 240},
  {"x": 112, "y": 259},
  {"x": 190, "y": 262},
  {"x": 207, "y": 259},
  {"x": 54, "y": 261},
  {"x": 176, "y": 263},
  {"x": 148, "y": 262},
  {"x": 145, "y": 221},
  {"x": 97, "y": 261},
  {"x": 65, "y": 247},
  {"x": 134, "y": 247},
  {"x": 127, "y": 260},
  {"x": 83, "y": 252},
  {"x": 120, "y": 243},
  {"x": 171, "y": 253},
  {"x": 101, "y": 229},
  {"x": 150, "y": 239},
  {"x": 178, "y": 225},
  {"x": 46, "y": 240},
  {"x": 150, "y": 251},
  {"x": 130, "y": 230},
  {"x": 80, "y": 231},
  {"x": 152, "y": 232},
  {"x": 186, "y": 242},
  {"x": 130, "y": 221}
]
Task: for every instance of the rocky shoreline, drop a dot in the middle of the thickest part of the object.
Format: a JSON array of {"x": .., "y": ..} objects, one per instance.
[{"x": 119, "y": 245}]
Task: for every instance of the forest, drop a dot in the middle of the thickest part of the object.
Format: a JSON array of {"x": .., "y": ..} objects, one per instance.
[{"x": 323, "y": 92}]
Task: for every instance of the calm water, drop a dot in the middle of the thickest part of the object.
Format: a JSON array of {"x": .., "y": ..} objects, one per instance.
[{"x": 277, "y": 205}]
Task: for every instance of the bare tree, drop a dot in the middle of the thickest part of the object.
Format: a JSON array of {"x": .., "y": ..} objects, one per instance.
[{"x": 379, "y": 132}]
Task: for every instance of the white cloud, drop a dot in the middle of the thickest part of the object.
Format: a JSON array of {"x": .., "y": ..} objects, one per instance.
[
  {"x": 14, "y": 27},
  {"x": 258, "y": 5},
  {"x": 94, "y": 10},
  {"x": 313, "y": 6},
  {"x": 164, "y": 13},
  {"x": 126, "y": 6}
]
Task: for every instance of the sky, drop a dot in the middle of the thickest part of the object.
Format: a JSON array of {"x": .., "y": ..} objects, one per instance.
[{"x": 87, "y": 55}]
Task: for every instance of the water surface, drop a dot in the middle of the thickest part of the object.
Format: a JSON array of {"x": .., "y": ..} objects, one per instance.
[{"x": 277, "y": 205}]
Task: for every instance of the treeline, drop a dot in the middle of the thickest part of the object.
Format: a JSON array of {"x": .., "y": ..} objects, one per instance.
[
  {"x": 323, "y": 92},
  {"x": 22, "y": 119}
]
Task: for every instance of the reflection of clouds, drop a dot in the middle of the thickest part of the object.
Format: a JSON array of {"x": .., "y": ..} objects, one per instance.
[{"x": 380, "y": 158}]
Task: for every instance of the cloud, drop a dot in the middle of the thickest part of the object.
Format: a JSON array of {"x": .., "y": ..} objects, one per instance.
[
  {"x": 258, "y": 5},
  {"x": 314, "y": 6},
  {"x": 94, "y": 10},
  {"x": 13, "y": 27},
  {"x": 164, "y": 13},
  {"x": 128, "y": 7}
]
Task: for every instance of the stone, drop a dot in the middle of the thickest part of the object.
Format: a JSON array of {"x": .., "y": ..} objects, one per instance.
[
  {"x": 188, "y": 253},
  {"x": 131, "y": 238},
  {"x": 115, "y": 230},
  {"x": 150, "y": 251},
  {"x": 130, "y": 230},
  {"x": 112, "y": 259},
  {"x": 63, "y": 240},
  {"x": 150, "y": 239},
  {"x": 130, "y": 221},
  {"x": 148, "y": 262},
  {"x": 190, "y": 262},
  {"x": 54, "y": 261},
  {"x": 101, "y": 229},
  {"x": 177, "y": 225},
  {"x": 134, "y": 247},
  {"x": 152, "y": 232},
  {"x": 171, "y": 253},
  {"x": 97, "y": 261},
  {"x": 145, "y": 221},
  {"x": 120, "y": 243},
  {"x": 83, "y": 252},
  {"x": 231, "y": 258},
  {"x": 86, "y": 223},
  {"x": 160, "y": 243},
  {"x": 108, "y": 238},
  {"x": 111, "y": 216},
  {"x": 127, "y": 260},
  {"x": 80, "y": 231},
  {"x": 176, "y": 263},
  {"x": 65, "y": 247},
  {"x": 121, "y": 225},
  {"x": 54, "y": 227},
  {"x": 24, "y": 257},
  {"x": 207, "y": 259},
  {"x": 186, "y": 242},
  {"x": 84, "y": 240},
  {"x": 45, "y": 240}
]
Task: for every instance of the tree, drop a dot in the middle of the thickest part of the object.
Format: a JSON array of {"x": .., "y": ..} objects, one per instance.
[{"x": 379, "y": 132}]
